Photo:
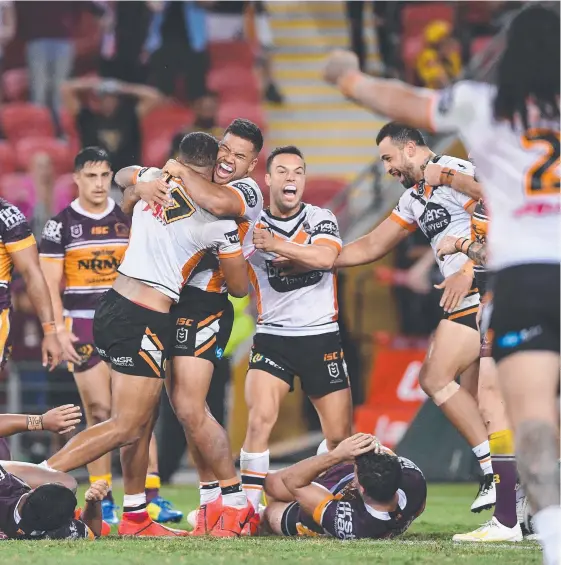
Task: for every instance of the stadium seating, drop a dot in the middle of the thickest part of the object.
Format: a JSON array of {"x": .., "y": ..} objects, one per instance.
[
  {"x": 417, "y": 15},
  {"x": 241, "y": 109},
  {"x": 18, "y": 187},
  {"x": 65, "y": 191},
  {"x": 57, "y": 150},
  {"x": 234, "y": 83},
  {"x": 320, "y": 190},
  {"x": 231, "y": 53},
  {"x": 22, "y": 119},
  {"x": 15, "y": 85},
  {"x": 165, "y": 120},
  {"x": 7, "y": 158},
  {"x": 155, "y": 150}
]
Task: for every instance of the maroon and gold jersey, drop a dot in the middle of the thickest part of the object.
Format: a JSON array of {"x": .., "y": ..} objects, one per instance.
[
  {"x": 479, "y": 228},
  {"x": 91, "y": 247},
  {"x": 15, "y": 235}
]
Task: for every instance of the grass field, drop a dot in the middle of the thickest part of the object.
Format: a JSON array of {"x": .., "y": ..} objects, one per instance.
[{"x": 427, "y": 541}]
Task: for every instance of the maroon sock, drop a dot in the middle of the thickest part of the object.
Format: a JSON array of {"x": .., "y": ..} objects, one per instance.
[
  {"x": 504, "y": 467},
  {"x": 151, "y": 494},
  {"x": 109, "y": 496}
]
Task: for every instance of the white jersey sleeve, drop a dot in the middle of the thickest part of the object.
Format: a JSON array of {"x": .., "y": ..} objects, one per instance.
[
  {"x": 457, "y": 107},
  {"x": 250, "y": 196},
  {"x": 324, "y": 228},
  {"x": 403, "y": 214},
  {"x": 224, "y": 237},
  {"x": 147, "y": 174}
]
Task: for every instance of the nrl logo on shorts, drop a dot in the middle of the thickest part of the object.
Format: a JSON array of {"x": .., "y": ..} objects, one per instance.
[
  {"x": 76, "y": 230},
  {"x": 181, "y": 335},
  {"x": 333, "y": 370}
]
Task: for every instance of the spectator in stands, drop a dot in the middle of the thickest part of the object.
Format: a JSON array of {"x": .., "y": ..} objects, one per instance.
[
  {"x": 125, "y": 26},
  {"x": 206, "y": 119},
  {"x": 440, "y": 61},
  {"x": 47, "y": 28},
  {"x": 177, "y": 46},
  {"x": 229, "y": 21},
  {"x": 42, "y": 174},
  {"x": 110, "y": 116},
  {"x": 7, "y": 28}
]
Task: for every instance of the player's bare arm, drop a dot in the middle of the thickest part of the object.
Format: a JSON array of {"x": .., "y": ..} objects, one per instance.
[
  {"x": 437, "y": 175},
  {"x": 53, "y": 271},
  {"x": 61, "y": 420},
  {"x": 451, "y": 244},
  {"x": 155, "y": 192},
  {"x": 235, "y": 274},
  {"x": 26, "y": 261},
  {"x": 91, "y": 514},
  {"x": 373, "y": 246},
  {"x": 218, "y": 200},
  {"x": 316, "y": 256},
  {"x": 298, "y": 478},
  {"x": 390, "y": 98}
]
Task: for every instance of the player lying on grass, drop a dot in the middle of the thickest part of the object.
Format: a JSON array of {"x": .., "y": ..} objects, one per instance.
[
  {"x": 359, "y": 490},
  {"x": 37, "y": 503}
]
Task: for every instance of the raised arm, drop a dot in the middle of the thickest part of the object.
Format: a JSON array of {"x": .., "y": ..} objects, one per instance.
[
  {"x": 72, "y": 89},
  {"x": 391, "y": 98},
  {"x": 148, "y": 96},
  {"x": 219, "y": 200},
  {"x": 373, "y": 246},
  {"x": 436, "y": 175}
]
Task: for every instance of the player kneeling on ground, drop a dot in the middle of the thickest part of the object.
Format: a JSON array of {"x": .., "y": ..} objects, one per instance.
[{"x": 377, "y": 495}]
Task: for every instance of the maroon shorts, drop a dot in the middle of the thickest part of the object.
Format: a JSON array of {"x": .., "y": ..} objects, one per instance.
[
  {"x": 5, "y": 343},
  {"x": 82, "y": 328}
]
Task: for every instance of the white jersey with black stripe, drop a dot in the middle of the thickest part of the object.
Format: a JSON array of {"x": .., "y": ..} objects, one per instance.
[
  {"x": 301, "y": 304},
  {"x": 166, "y": 246},
  {"x": 519, "y": 169}
]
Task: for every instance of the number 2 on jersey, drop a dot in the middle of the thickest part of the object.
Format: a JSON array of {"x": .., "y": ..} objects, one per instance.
[
  {"x": 543, "y": 176},
  {"x": 181, "y": 207}
]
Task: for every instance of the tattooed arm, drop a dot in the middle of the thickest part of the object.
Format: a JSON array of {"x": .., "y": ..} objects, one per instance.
[{"x": 450, "y": 244}]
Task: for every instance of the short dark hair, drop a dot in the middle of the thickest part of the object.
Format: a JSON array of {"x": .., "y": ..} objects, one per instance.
[
  {"x": 529, "y": 66},
  {"x": 284, "y": 150},
  {"x": 91, "y": 155},
  {"x": 199, "y": 149},
  {"x": 379, "y": 474},
  {"x": 246, "y": 129},
  {"x": 400, "y": 134},
  {"x": 47, "y": 507}
]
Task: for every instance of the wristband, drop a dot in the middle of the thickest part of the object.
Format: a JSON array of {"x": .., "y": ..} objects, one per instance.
[
  {"x": 49, "y": 328},
  {"x": 34, "y": 423},
  {"x": 461, "y": 241},
  {"x": 348, "y": 81},
  {"x": 446, "y": 176}
]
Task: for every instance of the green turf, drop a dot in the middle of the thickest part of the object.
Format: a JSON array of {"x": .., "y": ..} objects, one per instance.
[{"x": 426, "y": 542}]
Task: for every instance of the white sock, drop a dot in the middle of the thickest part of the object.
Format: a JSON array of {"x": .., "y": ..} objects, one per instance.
[
  {"x": 45, "y": 465},
  {"x": 483, "y": 454},
  {"x": 134, "y": 503},
  {"x": 548, "y": 525},
  {"x": 209, "y": 492},
  {"x": 254, "y": 469}
]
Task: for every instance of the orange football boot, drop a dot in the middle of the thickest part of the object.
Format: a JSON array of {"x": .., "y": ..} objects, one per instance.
[
  {"x": 147, "y": 528},
  {"x": 232, "y": 521},
  {"x": 207, "y": 517},
  {"x": 252, "y": 526},
  {"x": 105, "y": 527}
]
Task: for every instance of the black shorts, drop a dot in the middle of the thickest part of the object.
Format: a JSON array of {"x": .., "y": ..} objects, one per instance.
[
  {"x": 134, "y": 339},
  {"x": 202, "y": 324},
  {"x": 295, "y": 522},
  {"x": 316, "y": 359},
  {"x": 466, "y": 313},
  {"x": 525, "y": 314}
]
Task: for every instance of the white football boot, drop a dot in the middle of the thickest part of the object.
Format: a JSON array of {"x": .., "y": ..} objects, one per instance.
[
  {"x": 491, "y": 531},
  {"x": 487, "y": 495}
]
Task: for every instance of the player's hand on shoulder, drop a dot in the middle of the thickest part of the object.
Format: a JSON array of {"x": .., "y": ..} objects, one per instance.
[
  {"x": 264, "y": 239},
  {"x": 154, "y": 192},
  {"x": 67, "y": 340},
  {"x": 456, "y": 288},
  {"x": 432, "y": 174},
  {"x": 97, "y": 492},
  {"x": 174, "y": 168},
  {"x": 356, "y": 445},
  {"x": 62, "y": 419},
  {"x": 447, "y": 246},
  {"x": 339, "y": 62}
]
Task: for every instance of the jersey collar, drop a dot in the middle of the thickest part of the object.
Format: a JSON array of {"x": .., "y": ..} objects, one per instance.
[
  {"x": 75, "y": 204},
  {"x": 382, "y": 515}
]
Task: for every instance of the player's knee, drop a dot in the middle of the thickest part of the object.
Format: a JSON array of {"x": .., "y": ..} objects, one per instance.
[
  {"x": 127, "y": 430},
  {"x": 100, "y": 412},
  {"x": 432, "y": 380},
  {"x": 335, "y": 437},
  {"x": 191, "y": 416}
]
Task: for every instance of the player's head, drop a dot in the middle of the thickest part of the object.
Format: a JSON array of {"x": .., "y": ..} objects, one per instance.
[
  {"x": 199, "y": 151},
  {"x": 378, "y": 474},
  {"x": 403, "y": 151},
  {"x": 286, "y": 177},
  {"x": 528, "y": 70},
  {"x": 47, "y": 507},
  {"x": 239, "y": 148},
  {"x": 93, "y": 174}
]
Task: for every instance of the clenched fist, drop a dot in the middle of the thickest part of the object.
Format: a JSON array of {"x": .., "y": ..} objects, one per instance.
[{"x": 339, "y": 62}]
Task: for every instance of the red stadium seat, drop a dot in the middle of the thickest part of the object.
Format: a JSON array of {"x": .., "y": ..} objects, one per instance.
[
  {"x": 57, "y": 150},
  {"x": 320, "y": 190},
  {"x": 20, "y": 119},
  {"x": 410, "y": 51},
  {"x": 15, "y": 85},
  {"x": 480, "y": 44},
  {"x": 231, "y": 110},
  {"x": 17, "y": 187},
  {"x": 415, "y": 16},
  {"x": 7, "y": 158},
  {"x": 231, "y": 53},
  {"x": 166, "y": 120},
  {"x": 234, "y": 84},
  {"x": 65, "y": 191},
  {"x": 155, "y": 151}
]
